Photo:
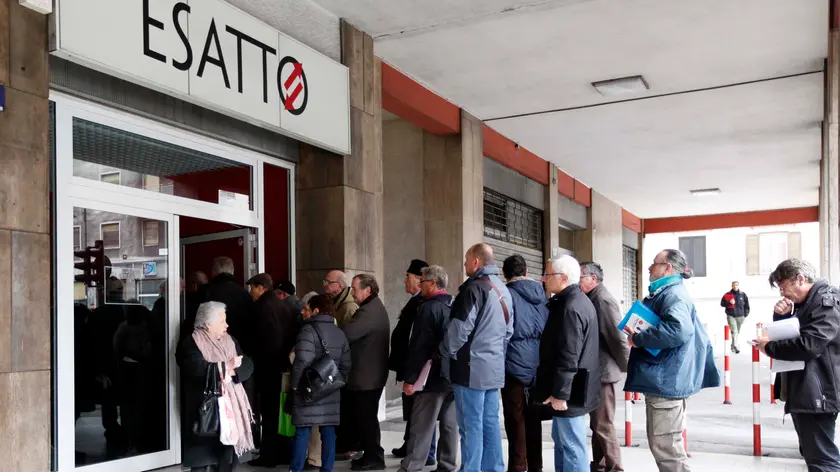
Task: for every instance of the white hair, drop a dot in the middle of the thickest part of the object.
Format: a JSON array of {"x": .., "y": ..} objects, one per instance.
[
  {"x": 307, "y": 297},
  {"x": 223, "y": 265},
  {"x": 567, "y": 265},
  {"x": 208, "y": 313}
]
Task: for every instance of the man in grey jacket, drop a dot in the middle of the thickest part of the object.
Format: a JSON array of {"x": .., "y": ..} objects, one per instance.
[
  {"x": 614, "y": 351},
  {"x": 480, "y": 327},
  {"x": 369, "y": 333}
]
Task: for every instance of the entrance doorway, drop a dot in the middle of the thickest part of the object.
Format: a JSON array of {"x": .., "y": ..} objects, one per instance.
[{"x": 139, "y": 207}]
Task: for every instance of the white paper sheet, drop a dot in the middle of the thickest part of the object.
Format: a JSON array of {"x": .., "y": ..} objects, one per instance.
[{"x": 780, "y": 331}]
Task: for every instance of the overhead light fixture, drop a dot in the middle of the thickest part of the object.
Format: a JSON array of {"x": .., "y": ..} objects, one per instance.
[
  {"x": 620, "y": 87},
  {"x": 705, "y": 192}
]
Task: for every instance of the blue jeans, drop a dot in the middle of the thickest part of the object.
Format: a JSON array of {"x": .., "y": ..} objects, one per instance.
[
  {"x": 433, "y": 447},
  {"x": 481, "y": 434},
  {"x": 569, "y": 436},
  {"x": 302, "y": 434}
]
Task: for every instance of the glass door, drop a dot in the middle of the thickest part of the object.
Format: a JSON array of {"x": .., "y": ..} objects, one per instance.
[{"x": 118, "y": 289}]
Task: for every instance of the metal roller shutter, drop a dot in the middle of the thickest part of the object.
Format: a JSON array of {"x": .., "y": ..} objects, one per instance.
[{"x": 512, "y": 227}]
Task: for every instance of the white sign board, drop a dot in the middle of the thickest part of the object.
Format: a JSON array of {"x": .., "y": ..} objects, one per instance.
[
  {"x": 212, "y": 54},
  {"x": 41, "y": 6}
]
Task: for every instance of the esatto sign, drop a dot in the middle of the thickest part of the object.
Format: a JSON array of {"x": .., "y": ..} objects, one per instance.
[{"x": 211, "y": 53}]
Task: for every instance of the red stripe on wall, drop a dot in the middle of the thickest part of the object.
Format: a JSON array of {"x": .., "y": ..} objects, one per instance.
[
  {"x": 631, "y": 221},
  {"x": 409, "y": 100},
  {"x": 583, "y": 194},
  {"x": 503, "y": 151},
  {"x": 732, "y": 220},
  {"x": 565, "y": 184}
]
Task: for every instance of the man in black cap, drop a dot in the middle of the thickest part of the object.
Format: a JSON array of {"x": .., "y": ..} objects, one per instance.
[
  {"x": 275, "y": 330},
  {"x": 399, "y": 347},
  {"x": 285, "y": 291}
]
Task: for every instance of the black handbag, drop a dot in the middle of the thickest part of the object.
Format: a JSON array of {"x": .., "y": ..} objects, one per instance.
[
  {"x": 322, "y": 378},
  {"x": 207, "y": 421}
]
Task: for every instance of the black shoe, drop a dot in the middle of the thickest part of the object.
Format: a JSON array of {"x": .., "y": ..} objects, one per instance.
[
  {"x": 400, "y": 452},
  {"x": 345, "y": 456},
  {"x": 376, "y": 465},
  {"x": 737, "y": 351},
  {"x": 430, "y": 462},
  {"x": 310, "y": 466}
]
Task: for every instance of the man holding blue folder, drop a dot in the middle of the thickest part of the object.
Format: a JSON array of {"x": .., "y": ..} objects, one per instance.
[{"x": 684, "y": 365}]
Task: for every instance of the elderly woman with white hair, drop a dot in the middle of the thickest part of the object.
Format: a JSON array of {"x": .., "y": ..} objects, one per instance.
[{"x": 211, "y": 350}]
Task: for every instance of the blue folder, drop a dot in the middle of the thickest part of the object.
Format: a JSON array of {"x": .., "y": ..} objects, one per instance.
[{"x": 638, "y": 319}]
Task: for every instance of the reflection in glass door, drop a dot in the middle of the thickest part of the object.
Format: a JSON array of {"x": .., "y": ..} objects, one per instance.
[{"x": 121, "y": 336}]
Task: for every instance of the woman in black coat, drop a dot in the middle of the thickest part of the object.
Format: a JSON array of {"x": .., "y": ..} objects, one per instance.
[
  {"x": 206, "y": 454},
  {"x": 325, "y": 412}
]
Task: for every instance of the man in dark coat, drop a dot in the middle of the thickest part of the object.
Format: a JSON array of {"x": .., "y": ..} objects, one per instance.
[
  {"x": 522, "y": 425},
  {"x": 569, "y": 374},
  {"x": 737, "y": 307},
  {"x": 285, "y": 291},
  {"x": 613, "y": 352},
  {"x": 433, "y": 397},
  {"x": 811, "y": 395},
  {"x": 400, "y": 351},
  {"x": 239, "y": 306},
  {"x": 275, "y": 329},
  {"x": 368, "y": 332}
]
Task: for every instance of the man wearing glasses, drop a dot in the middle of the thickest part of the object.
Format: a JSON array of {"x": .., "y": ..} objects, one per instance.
[
  {"x": 337, "y": 286},
  {"x": 811, "y": 395}
]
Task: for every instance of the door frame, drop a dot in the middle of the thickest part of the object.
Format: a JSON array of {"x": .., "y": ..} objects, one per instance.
[
  {"x": 65, "y": 340},
  {"x": 71, "y": 191},
  {"x": 247, "y": 247}
]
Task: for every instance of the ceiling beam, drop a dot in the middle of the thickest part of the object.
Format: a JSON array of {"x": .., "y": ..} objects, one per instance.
[{"x": 731, "y": 220}]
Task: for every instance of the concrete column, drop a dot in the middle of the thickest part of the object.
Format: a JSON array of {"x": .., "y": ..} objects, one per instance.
[
  {"x": 454, "y": 196},
  {"x": 339, "y": 198},
  {"x": 607, "y": 239},
  {"x": 25, "y": 254},
  {"x": 830, "y": 169},
  {"x": 551, "y": 215}
]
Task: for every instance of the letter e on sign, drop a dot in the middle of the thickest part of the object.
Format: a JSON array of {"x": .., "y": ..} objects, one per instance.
[{"x": 41, "y": 6}]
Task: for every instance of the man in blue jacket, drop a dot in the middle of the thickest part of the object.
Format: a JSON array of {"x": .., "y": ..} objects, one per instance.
[
  {"x": 476, "y": 339},
  {"x": 683, "y": 367},
  {"x": 522, "y": 424}
]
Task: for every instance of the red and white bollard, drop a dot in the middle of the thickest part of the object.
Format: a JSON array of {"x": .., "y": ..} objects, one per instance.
[
  {"x": 727, "y": 375},
  {"x": 637, "y": 396},
  {"x": 756, "y": 396},
  {"x": 772, "y": 384},
  {"x": 628, "y": 419}
]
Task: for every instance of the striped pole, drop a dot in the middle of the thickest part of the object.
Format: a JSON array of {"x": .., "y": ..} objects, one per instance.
[
  {"x": 727, "y": 375},
  {"x": 756, "y": 396},
  {"x": 685, "y": 441},
  {"x": 628, "y": 419},
  {"x": 637, "y": 396},
  {"x": 772, "y": 384}
]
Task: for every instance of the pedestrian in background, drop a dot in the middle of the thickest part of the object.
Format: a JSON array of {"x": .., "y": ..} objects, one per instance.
[{"x": 736, "y": 304}]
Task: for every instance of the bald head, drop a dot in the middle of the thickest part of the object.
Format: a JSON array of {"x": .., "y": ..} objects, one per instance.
[
  {"x": 478, "y": 256},
  {"x": 335, "y": 282}
]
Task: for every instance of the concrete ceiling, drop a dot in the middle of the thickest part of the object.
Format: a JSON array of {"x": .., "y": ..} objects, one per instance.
[{"x": 526, "y": 67}]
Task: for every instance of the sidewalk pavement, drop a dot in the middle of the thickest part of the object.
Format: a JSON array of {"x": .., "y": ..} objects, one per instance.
[{"x": 635, "y": 460}]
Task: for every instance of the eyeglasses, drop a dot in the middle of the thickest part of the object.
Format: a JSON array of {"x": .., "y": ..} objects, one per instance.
[
  {"x": 553, "y": 273},
  {"x": 424, "y": 281}
]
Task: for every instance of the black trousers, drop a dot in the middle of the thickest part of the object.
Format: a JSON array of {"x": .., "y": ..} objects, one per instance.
[
  {"x": 816, "y": 439},
  {"x": 274, "y": 448},
  {"x": 359, "y": 420}
]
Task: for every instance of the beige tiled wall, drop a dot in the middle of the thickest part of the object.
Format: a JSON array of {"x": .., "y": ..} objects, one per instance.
[{"x": 24, "y": 241}]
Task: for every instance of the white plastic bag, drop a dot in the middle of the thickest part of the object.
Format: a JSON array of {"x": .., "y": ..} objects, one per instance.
[{"x": 228, "y": 434}]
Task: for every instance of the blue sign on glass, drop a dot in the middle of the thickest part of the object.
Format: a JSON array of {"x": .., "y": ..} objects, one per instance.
[
  {"x": 2, "y": 98},
  {"x": 149, "y": 269}
]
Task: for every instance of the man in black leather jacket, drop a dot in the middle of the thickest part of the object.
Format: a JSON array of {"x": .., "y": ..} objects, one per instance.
[{"x": 812, "y": 395}]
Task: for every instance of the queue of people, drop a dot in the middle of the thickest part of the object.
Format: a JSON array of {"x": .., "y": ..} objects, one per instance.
[{"x": 500, "y": 341}]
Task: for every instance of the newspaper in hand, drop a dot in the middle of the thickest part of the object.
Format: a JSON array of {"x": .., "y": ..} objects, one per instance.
[
  {"x": 420, "y": 384},
  {"x": 638, "y": 319},
  {"x": 779, "y": 331}
]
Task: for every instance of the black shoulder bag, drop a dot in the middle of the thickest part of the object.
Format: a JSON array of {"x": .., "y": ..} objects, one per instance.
[
  {"x": 322, "y": 378},
  {"x": 207, "y": 422}
]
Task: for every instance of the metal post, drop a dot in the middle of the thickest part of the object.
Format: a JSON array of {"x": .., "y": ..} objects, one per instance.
[
  {"x": 628, "y": 419},
  {"x": 756, "y": 396},
  {"x": 727, "y": 375}
]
